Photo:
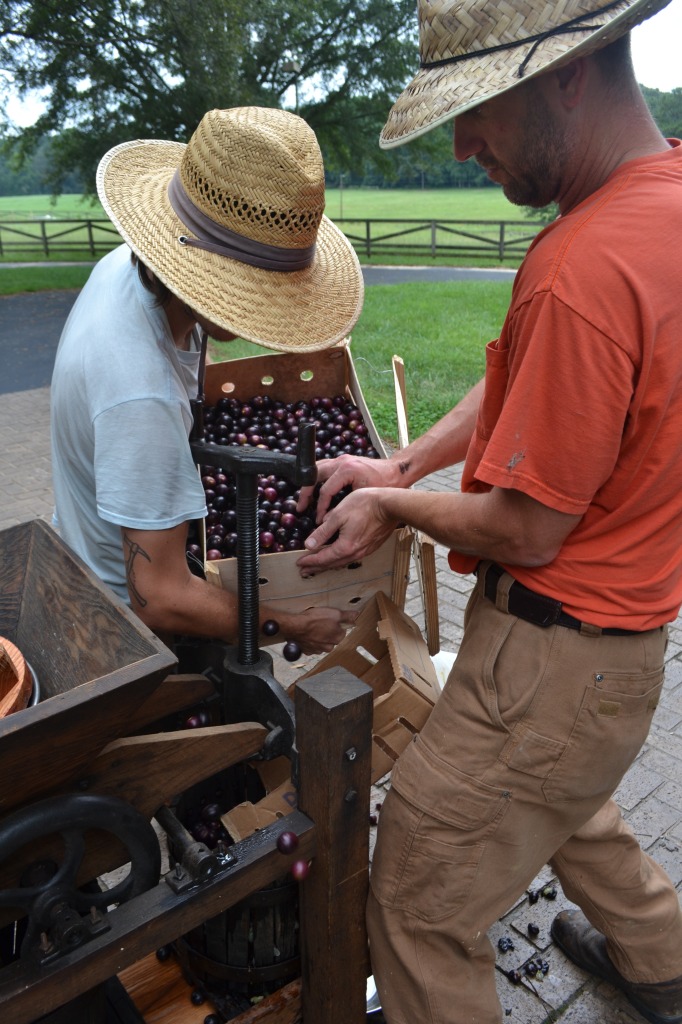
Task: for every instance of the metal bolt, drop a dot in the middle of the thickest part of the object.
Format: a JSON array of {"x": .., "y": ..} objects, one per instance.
[
  {"x": 351, "y": 754},
  {"x": 350, "y": 795}
]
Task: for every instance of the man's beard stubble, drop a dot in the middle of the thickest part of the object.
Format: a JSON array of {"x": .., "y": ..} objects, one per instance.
[{"x": 545, "y": 150}]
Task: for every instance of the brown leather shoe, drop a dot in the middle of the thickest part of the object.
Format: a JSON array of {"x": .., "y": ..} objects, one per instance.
[{"x": 658, "y": 1003}]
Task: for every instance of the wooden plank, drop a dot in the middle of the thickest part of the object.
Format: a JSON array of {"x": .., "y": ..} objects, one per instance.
[
  {"x": 281, "y": 585},
  {"x": 72, "y": 628},
  {"x": 175, "y": 693},
  {"x": 282, "y": 1007},
  {"x": 148, "y": 770},
  {"x": 424, "y": 548},
  {"x": 160, "y": 992},
  {"x": 95, "y": 660},
  {"x": 334, "y": 732},
  {"x": 289, "y": 376},
  {"x": 425, "y": 557},
  {"x": 400, "y": 400},
  {"x": 401, "y": 565},
  {"x": 162, "y": 996},
  {"x": 49, "y": 746}
]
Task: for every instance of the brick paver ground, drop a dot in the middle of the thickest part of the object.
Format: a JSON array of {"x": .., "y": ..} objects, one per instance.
[{"x": 650, "y": 794}]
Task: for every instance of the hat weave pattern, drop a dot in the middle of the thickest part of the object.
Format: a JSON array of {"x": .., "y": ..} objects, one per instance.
[
  {"x": 257, "y": 172},
  {"x": 472, "y": 50},
  {"x": 280, "y": 197}
]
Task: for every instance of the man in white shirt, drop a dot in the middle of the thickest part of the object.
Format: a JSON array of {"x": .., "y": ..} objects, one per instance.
[{"x": 227, "y": 236}]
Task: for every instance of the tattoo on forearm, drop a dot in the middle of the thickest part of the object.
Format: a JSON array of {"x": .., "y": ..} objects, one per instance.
[
  {"x": 403, "y": 467},
  {"x": 133, "y": 549}
]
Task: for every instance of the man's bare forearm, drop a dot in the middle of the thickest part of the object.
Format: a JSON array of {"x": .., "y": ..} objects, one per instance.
[
  {"x": 444, "y": 444},
  {"x": 503, "y": 525}
]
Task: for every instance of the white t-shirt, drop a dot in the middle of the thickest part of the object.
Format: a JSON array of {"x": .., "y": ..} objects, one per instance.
[{"x": 121, "y": 416}]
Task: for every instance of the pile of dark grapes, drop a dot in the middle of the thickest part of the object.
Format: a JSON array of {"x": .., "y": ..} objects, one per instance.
[
  {"x": 265, "y": 423},
  {"x": 205, "y": 826}
]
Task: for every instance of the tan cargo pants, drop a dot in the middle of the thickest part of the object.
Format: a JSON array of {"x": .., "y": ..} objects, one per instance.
[{"x": 513, "y": 770}]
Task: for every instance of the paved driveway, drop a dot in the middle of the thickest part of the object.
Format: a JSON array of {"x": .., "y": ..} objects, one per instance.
[
  {"x": 30, "y": 326},
  {"x": 31, "y": 323}
]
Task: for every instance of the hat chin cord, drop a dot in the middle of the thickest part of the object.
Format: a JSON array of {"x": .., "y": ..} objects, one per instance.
[
  {"x": 217, "y": 239},
  {"x": 570, "y": 26}
]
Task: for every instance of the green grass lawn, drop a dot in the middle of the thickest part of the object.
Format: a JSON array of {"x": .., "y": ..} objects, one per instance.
[
  {"x": 439, "y": 330},
  {"x": 35, "y": 228},
  {"x": 445, "y": 204},
  {"x": 41, "y": 279},
  {"x": 26, "y": 207}
]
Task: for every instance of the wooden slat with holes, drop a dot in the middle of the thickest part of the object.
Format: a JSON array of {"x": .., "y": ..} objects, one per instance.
[
  {"x": 424, "y": 546},
  {"x": 425, "y": 557}
]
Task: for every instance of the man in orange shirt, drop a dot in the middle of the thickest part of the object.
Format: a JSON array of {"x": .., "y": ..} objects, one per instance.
[{"x": 570, "y": 513}]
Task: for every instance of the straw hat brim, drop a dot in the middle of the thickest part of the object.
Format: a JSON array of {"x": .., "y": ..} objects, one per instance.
[
  {"x": 438, "y": 94},
  {"x": 301, "y": 310}
]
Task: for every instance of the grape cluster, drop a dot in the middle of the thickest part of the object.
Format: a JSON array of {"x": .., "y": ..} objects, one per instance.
[
  {"x": 264, "y": 422},
  {"x": 204, "y": 822}
]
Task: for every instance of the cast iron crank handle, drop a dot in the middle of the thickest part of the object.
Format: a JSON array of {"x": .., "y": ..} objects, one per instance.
[{"x": 246, "y": 459}]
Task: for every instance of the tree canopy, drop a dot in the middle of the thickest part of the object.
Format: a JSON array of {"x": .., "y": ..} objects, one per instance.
[{"x": 113, "y": 70}]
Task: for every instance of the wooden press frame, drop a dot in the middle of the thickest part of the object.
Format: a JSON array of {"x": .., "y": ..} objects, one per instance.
[{"x": 334, "y": 715}]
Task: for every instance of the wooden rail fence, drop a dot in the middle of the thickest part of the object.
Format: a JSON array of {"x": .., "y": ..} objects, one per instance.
[
  {"x": 30, "y": 239},
  {"x": 90, "y": 238}
]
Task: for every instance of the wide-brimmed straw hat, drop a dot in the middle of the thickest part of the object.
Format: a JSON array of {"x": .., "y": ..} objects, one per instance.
[
  {"x": 232, "y": 223},
  {"x": 472, "y": 50}
]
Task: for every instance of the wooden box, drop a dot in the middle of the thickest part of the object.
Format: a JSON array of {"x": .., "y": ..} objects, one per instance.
[
  {"x": 290, "y": 377},
  {"x": 385, "y": 650},
  {"x": 94, "y": 659}
]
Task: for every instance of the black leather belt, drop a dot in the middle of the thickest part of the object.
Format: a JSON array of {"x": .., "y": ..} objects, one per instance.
[{"x": 536, "y": 608}]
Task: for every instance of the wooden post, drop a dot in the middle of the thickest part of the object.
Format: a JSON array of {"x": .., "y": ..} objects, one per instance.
[{"x": 334, "y": 736}]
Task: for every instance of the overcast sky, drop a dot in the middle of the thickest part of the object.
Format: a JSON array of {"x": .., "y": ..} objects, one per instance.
[{"x": 655, "y": 51}]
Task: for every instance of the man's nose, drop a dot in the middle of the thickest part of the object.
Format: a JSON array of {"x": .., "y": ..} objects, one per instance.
[{"x": 466, "y": 141}]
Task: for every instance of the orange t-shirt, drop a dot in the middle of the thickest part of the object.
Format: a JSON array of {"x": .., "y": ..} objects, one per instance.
[{"x": 583, "y": 398}]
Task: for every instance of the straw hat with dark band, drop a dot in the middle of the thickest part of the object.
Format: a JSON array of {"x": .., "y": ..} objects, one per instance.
[
  {"x": 472, "y": 50},
  {"x": 233, "y": 224}
]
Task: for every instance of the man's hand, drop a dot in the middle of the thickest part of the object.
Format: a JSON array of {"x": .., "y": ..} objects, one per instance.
[
  {"x": 345, "y": 471},
  {"x": 316, "y": 630},
  {"x": 362, "y": 528}
]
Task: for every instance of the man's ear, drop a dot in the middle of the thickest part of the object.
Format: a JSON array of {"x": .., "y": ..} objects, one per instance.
[{"x": 572, "y": 81}]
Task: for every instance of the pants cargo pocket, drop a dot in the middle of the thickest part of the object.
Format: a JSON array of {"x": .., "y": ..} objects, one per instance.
[{"x": 434, "y": 825}]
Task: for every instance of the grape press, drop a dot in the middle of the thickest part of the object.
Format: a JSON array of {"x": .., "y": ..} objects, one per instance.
[{"x": 121, "y": 772}]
